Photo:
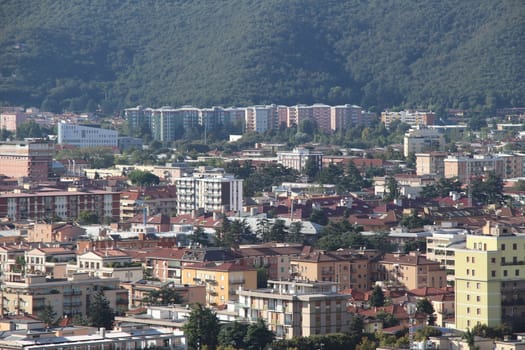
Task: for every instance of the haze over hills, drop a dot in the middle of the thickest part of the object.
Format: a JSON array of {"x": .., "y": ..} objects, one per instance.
[{"x": 76, "y": 54}]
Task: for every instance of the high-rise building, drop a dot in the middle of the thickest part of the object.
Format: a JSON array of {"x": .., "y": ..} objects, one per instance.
[
  {"x": 431, "y": 163},
  {"x": 210, "y": 191},
  {"x": 86, "y": 136},
  {"x": 490, "y": 278},
  {"x": 31, "y": 159},
  {"x": 259, "y": 118}
]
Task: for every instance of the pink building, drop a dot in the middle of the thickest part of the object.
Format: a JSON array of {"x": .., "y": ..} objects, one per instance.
[
  {"x": 26, "y": 159},
  {"x": 11, "y": 120}
]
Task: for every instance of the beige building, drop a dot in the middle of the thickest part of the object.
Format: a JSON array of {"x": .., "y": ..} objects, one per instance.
[
  {"x": 109, "y": 263},
  {"x": 12, "y": 264},
  {"x": 66, "y": 296},
  {"x": 431, "y": 163},
  {"x": 221, "y": 280},
  {"x": 61, "y": 232},
  {"x": 412, "y": 270},
  {"x": 409, "y": 117},
  {"x": 140, "y": 290},
  {"x": 49, "y": 262},
  {"x": 465, "y": 168},
  {"x": 296, "y": 309}
]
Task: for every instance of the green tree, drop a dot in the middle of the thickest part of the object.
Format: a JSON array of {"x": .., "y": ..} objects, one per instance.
[
  {"x": 471, "y": 340},
  {"x": 488, "y": 190},
  {"x": 262, "y": 277},
  {"x": 47, "y": 315},
  {"x": 199, "y": 236},
  {"x": 233, "y": 333},
  {"x": 278, "y": 231},
  {"x": 319, "y": 217},
  {"x": 387, "y": 319},
  {"x": 294, "y": 233},
  {"x": 143, "y": 178},
  {"x": 163, "y": 296},
  {"x": 258, "y": 336},
  {"x": 377, "y": 298},
  {"x": 366, "y": 344},
  {"x": 87, "y": 217},
  {"x": 201, "y": 328},
  {"x": 425, "y": 306},
  {"x": 100, "y": 314},
  {"x": 311, "y": 168},
  {"x": 392, "y": 190},
  {"x": 414, "y": 221}
]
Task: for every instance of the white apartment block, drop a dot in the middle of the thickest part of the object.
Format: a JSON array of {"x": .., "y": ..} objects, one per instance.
[
  {"x": 420, "y": 139},
  {"x": 210, "y": 191},
  {"x": 297, "y": 158},
  {"x": 259, "y": 118},
  {"x": 409, "y": 117},
  {"x": 86, "y": 136}
]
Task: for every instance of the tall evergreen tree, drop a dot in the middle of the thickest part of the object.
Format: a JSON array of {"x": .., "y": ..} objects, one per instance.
[
  {"x": 201, "y": 328},
  {"x": 100, "y": 314},
  {"x": 258, "y": 336},
  {"x": 377, "y": 298}
]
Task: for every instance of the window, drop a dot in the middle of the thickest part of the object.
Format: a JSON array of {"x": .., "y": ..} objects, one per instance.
[
  {"x": 478, "y": 298},
  {"x": 503, "y": 260},
  {"x": 517, "y": 272},
  {"x": 468, "y": 310},
  {"x": 478, "y": 285},
  {"x": 478, "y": 311},
  {"x": 514, "y": 246},
  {"x": 493, "y": 260},
  {"x": 503, "y": 246},
  {"x": 493, "y": 273},
  {"x": 473, "y": 260},
  {"x": 468, "y": 297},
  {"x": 468, "y": 258},
  {"x": 468, "y": 272},
  {"x": 505, "y": 273},
  {"x": 468, "y": 284},
  {"x": 473, "y": 272}
]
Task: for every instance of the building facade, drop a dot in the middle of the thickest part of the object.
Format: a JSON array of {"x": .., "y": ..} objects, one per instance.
[
  {"x": 297, "y": 158},
  {"x": 86, "y": 136},
  {"x": 409, "y": 117},
  {"x": 420, "y": 139},
  {"x": 31, "y": 159},
  {"x": 11, "y": 120},
  {"x": 296, "y": 309},
  {"x": 465, "y": 168},
  {"x": 432, "y": 163},
  {"x": 210, "y": 191}
]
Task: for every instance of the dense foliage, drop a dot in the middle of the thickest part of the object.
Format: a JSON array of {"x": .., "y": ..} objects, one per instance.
[{"x": 85, "y": 55}]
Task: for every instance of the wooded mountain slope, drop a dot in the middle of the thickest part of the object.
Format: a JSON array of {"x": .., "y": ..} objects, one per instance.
[{"x": 76, "y": 54}]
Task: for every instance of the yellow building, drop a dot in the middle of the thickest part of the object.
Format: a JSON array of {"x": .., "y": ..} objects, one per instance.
[
  {"x": 490, "y": 278},
  {"x": 221, "y": 280}
]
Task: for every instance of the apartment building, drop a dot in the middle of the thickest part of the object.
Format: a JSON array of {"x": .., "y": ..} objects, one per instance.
[
  {"x": 30, "y": 159},
  {"x": 420, "y": 139},
  {"x": 12, "y": 263},
  {"x": 432, "y": 163},
  {"x": 345, "y": 116},
  {"x": 86, "y": 136},
  {"x": 108, "y": 263},
  {"x": 155, "y": 200},
  {"x": 296, "y": 309},
  {"x": 347, "y": 268},
  {"x": 297, "y": 158},
  {"x": 11, "y": 120},
  {"x": 442, "y": 245},
  {"x": 48, "y": 261},
  {"x": 139, "y": 291},
  {"x": 411, "y": 270},
  {"x": 221, "y": 280},
  {"x": 464, "y": 168},
  {"x": 410, "y": 117},
  {"x": 45, "y": 204},
  {"x": 258, "y": 119},
  {"x": 275, "y": 257},
  {"x": 69, "y": 296},
  {"x": 60, "y": 232},
  {"x": 489, "y": 278},
  {"x": 209, "y": 190}
]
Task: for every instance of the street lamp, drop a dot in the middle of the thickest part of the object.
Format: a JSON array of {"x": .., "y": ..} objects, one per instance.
[{"x": 411, "y": 309}]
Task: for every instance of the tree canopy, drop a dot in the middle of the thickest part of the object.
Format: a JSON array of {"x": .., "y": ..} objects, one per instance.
[
  {"x": 100, "y": 313},
  {"x": 201, "y": 328}
]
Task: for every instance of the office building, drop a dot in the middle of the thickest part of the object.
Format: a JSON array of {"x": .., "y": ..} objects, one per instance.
[
  {"x": 86, "y": 136},
  {"x": 29, "y": 159}
]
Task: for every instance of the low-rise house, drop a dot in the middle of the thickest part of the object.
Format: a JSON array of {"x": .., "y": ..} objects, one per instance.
[
  {"x": 49, "y": 261},
  {"x": 109, "y": 263},
  {"x": 61, "y": 232}
]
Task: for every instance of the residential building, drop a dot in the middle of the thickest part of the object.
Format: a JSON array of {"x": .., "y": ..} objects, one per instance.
[
  {"x": 48, "y": 261},
  {"x": 139, "y": 291},
  {"x": 514, "y": 165},
  {"x": 345, "y": 116},
  {"x": 258, "y": 119},
  {"x": 27, "y": 159},
  {"x": 442, "y": 245},
  {"x": 209, "y": 190},
  {"x": 322, "y": 116},
  {"x": 411, "y": 270},
  {"x": 126, "y": 143},
  {"x": 155, "y": 200},
  {"x": 420, "y": 139},
  {"x": 490, "y": 278},
  {"x": 11, "y": 120},
  {"x": 221, "y": 280},
  {"x": 465, "y": 168},
  {"x": 410, "y": 117},
  {"x": 67, "y": 296},
  {"x": 347, "y": 268},
  {"x": 86, "y": 136},
  {"x": 432, "y": 163},
  {"x": 59, "y": 232},
  {"x": 297, "y": 158},
  {"x": 46, "y": 204},
  {"x": 296, "y": 309},
  {"x": 12, "y": 262},
  {"x": 108, "y": 263}
]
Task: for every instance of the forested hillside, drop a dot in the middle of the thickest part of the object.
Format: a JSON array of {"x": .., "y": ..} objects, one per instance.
[{"x": 74, "y": 55}]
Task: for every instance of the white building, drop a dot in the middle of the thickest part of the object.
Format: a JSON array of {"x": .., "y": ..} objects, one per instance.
[
  {"x": 258, "y": 118},
  {"x": 420, "y": 139},
  {"x": 209, "y": 190},
  {"x": 86, "y": 136},
  {"x": 298, "y": 157},
  {"x": 409, "y": 117}
]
